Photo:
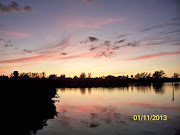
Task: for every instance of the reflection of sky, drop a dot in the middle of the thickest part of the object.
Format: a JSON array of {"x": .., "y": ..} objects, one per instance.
[
  {"x": 111, "y": 110},
  {"x": 49, "y": 37}
]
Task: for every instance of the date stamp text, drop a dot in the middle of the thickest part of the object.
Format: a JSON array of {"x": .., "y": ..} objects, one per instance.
[{"x": 150, "y": 117}]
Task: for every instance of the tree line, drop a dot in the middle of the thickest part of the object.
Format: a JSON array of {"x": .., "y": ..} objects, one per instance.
[{"x": 143, "y": 75}]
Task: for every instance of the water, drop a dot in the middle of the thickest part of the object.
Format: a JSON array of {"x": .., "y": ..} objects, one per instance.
[{"x": 110, "y": 111}]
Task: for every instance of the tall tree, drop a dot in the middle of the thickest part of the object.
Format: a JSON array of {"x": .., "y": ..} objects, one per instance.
[
  {"x": 176, "y": 75},
  {"x": 159, "y": 74},
  {"x": 82, "y": 75},
  {"x": 89, "y": 75},
  {"x": 62, "y": 76}
]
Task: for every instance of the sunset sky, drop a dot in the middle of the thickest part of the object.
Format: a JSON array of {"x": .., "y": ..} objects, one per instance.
[{"x": 102, "y": 37}]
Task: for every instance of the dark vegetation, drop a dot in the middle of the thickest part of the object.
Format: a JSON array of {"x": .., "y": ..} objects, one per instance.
[
  {"x": 27, "y": 105},
  {"x": 87, "y": 81}
]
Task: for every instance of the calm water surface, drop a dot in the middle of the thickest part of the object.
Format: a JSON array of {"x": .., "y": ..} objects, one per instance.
[{"x": 109, "y": 111}]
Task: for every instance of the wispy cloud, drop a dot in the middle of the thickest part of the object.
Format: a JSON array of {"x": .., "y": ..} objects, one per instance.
[
  {"x": 120, "y": 41},
  {"x": 150, "y": 56},
  {"x": 170, "y": 23},
  {"x": 48, "y": 52},
  {"x": 122, "y": 35},
  {"x": 71, "y": 22},
  {"x": 15, "y": 34},
  {"x": 28, "y": 51},
  {"x": 55, "y": 46},
  {"x": 163, "y": 34},
  {"x": 30, "y": 59}
]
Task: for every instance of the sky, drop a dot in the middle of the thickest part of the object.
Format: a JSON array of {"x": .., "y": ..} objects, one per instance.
[{"x": 101, "y": 37}]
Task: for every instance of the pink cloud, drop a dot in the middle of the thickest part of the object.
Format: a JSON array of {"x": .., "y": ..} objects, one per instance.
[
  {"x": 41, "y": 54},
  {"x": 150, "y": 56},
  {"x": 97, "y": 23},
  {"x": 16, "y": 34},
  {"x": 70, "y": 22},
  {"x": 27, "y": 59},
  {"x": 50, "y": 55}
]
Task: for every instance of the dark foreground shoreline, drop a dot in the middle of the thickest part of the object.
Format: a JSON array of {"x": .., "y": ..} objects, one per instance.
[{"x": 27, "y": 105}]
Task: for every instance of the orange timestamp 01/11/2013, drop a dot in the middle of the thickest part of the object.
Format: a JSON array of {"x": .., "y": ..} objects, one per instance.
[{"x": 150, "y": 117}]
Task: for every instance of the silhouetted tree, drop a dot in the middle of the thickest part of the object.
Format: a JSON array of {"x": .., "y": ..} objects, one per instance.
[
  {"x": 137, "y": 76},
  {"x": 89, "y": 75},
  {"x": 103, "y": 77},
  {"x": 149, "y": 75},
  {"x": 11, "y": 75},
  {"x": 82, "y": 75},
  {"x": 43, "y": 74},
  {"x": 176, "y": 75},
  {"x": 159, "y": 74},
  {"x": 34, "y": 75},
  {"x": 75, "y": 77},
  {"x": 142, "y": 75},
  {"x": 15, "y": 73},
  {"x": 52, "y": 76},
  {"x": 62, "y": 76}
]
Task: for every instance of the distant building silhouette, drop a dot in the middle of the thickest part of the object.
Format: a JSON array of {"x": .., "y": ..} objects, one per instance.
[{"x": 110, "y": 77}]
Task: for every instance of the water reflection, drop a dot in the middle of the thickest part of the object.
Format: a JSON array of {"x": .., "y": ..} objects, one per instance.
[
  {"x": 92, "y": 110},
  {"x": 176, "y": 86},
  {"x": 173, "y": 94},
  {"x": 157, "y": 87},
  {"x": 83, "y": 91},
  {"x": 110, "y": 110}
]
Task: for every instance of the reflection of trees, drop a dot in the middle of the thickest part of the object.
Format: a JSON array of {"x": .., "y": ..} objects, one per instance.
[
  {"x": 82, "y": 75},
  {"x": 29, "y": 105},
  {"x": 83, "y": 91},
  {"x": 176, "y": 86},
  {"x": 142, "y": 87},
  {"x": 159, "y": 74},
  {"x": 89, "y": 91},
  {"x": 158, "y": 87}
]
